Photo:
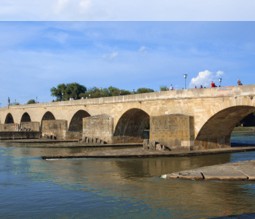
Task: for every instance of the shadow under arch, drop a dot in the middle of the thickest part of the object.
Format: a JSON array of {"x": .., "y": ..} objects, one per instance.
[
  {"x": 76, "y": 121},
  {"x": 9, "y": 119},
  {"x": 48, "y": 116},
  {"x": 132, "y": 126},
  {"x": 216, "y": 132},
  {"x": 25, "y": 118}
]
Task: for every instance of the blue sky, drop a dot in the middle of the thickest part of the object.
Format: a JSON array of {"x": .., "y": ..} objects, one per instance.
[{"x": 43, "y": 43}]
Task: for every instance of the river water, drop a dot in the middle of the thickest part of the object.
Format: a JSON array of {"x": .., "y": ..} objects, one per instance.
[{"x": 115, "y": 188}]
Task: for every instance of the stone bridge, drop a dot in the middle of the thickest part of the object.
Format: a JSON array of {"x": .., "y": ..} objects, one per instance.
[{"x": 182, "y": 119}]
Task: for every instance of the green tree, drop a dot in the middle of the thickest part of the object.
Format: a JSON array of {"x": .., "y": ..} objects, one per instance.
[
  {"x": 113, "y": 91},
  {"x": 32, "y": 101},
  {"x": 144, "y": 90},
  {"x": 59, "y": 92},
  {"x": 125, "y": 92},
  {"x": 67, "y": 91},
  {"x": 164, "y": 88}
]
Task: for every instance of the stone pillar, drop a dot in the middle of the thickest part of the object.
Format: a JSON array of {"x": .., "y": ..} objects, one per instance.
[
  {"x": 176, "y": 132},
  {"x": 98, "y": 129},
  {"x": 54, "y": 129}
]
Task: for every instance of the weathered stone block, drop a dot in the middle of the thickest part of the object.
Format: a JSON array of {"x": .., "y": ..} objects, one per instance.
[
  {"x": 174, "y": 131},
  {"x": 30, "y": 126},
  {"x": 54, "y": 129},
  {"x": 19, "y": 135},
  {"x": 13, "y": 127},
  {"x": 99, "y": 128}
]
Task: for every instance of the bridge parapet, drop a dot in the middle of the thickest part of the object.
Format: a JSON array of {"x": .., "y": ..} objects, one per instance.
[{"x": 248, "y": 90}]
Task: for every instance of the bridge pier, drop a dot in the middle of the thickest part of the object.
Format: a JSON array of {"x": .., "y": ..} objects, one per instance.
[
  {"x": 54, "y": 129},
  {"x": 172, "y": 132},
  {"x": 98, "y": 128}
]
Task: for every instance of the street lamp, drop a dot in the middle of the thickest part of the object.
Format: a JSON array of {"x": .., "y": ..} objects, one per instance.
[
  {"x": 220, "y": 80},
  {"x": 185, "y": 78}
]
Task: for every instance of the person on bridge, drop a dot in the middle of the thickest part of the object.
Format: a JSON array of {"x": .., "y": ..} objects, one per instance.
[
  {"x": 239, "y": 83},
  {"x": 213, "y": 84}
]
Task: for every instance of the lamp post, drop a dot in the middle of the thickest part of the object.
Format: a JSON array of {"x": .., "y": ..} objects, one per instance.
[
  {"x": 220, "y": 80},
  {"x": 185, "y": 78}
]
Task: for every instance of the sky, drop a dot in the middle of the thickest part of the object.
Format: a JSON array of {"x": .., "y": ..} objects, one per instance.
[{"x": 126, "y": 45}]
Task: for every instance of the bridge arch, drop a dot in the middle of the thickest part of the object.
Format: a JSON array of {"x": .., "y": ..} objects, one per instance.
[
  {"x": 132, "y": 125},
  {"x": 25, "y": 118},
  {"x": 216, "y": 132},
  {"x": 48, "y": 116},
  {"x": 9, "y": 119},
  {"x": 76, "y": 121}
]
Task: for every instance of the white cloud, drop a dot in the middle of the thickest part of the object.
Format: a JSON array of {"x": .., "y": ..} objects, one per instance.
[
  {"x": 205, "y": 78},
  {"x": 219, "y": 73},
  {"x": 182, "y": 10},
  {"x": 111, "y": 56},
  {"x": 84, "y": 4},
  {"x": 61, "y": 5},
  {"x": 71, "y": 9}
]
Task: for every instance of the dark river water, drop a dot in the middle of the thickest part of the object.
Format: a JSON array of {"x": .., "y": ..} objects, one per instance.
[{"x": 115, "y": 188}]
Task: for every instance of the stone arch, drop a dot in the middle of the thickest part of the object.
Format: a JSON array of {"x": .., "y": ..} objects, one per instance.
[
  {"x": 132, "y": 125},
  {"x": 9, "y": 119},
  {"x": 48, "y": 116},
  {"x": 76, "y": 121},
  {"x": 216, "y": 132},
  {"x": 25, "y": 118}
]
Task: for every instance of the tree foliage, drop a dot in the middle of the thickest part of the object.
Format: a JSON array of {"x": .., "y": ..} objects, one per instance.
[
  {"x": 144, "y": 90},
  {"x": 164, "y": 88},
  {"x": 68, "y": 91},
  {"x": 96, "y": 92},
  {"x": 77, "y": 91},
  {"x": 32, "y": 101}
]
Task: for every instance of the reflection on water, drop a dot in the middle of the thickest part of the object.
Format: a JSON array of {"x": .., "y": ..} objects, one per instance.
[
  {"x": 115, "y": 188},
  {"x": 243, "y": 138}
]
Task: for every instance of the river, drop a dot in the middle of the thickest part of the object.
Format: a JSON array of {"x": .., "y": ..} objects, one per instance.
[{"x": 115, "y": 188}]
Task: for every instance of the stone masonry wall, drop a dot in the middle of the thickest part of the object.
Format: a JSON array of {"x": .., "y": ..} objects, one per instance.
[
  {"x": 19, "y": 135},
  {"x": 30, "y": 126},
  {"x": 96, "y": 128},
  {"x": 175, "y": 131},
  {"x": 55, "y": 129},
  {"x": 13, "y": 127}
]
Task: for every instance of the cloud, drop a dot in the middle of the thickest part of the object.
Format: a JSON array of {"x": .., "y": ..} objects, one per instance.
[
  {"x": 84, "y": 4},
  {"x": 115, "y": 10},
  {"x": 61, "y": 5},
  {"x": 111, "y": 56},
  {"x": 205, "y": 78},
  {"x": 219, "y": 74},
  {"x": 71, "y": 9}
]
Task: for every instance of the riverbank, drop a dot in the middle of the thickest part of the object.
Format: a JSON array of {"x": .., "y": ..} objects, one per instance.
[
  {"x": 142, "y": 153},
  {"x": 230, "y": 171},
  {"x": 47, "y": 143},
  {"x": 131, "y": 150}
]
